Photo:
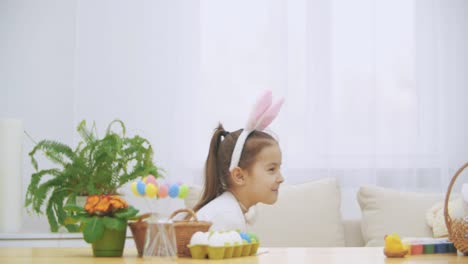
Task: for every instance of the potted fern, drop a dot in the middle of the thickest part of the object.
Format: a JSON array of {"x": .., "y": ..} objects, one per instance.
[{"x": 96, "y": 166}]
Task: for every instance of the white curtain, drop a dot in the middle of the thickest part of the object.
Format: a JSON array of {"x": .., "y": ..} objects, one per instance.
[{"x": 375, "y": 90}]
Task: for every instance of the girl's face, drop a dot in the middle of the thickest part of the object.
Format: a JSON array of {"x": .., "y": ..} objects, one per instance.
[{"x": 264, "y": 178}]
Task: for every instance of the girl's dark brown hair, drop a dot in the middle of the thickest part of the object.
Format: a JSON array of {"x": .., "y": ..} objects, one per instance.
[{"x": 219, "y": 158}]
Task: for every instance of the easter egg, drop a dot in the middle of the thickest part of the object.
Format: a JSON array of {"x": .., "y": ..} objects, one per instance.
[
  {"x": 134, "y": 189},
  {"x": 183, "y": 191},
  {"x": 174, "y": 190},
  {"x": 151, "y": 179},
  {"x": 163, "y": 191},
  {"x": 141, "y": 187},
  {"x": 151, "y": 190}
]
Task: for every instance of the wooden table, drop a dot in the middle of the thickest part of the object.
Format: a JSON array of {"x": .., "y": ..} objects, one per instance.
[{"x": 267, "y": 255}]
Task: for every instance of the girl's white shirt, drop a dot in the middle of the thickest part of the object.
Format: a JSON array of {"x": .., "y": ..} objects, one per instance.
[{"x": 224, "y": 212}]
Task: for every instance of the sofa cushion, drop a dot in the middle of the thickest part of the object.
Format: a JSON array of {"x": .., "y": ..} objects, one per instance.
[
  {"x": 305, "y": 215},
  {"x": 435, "y": 218},
  {"x": 353, "y": 234},
  {"x": 385, "y": 211}
]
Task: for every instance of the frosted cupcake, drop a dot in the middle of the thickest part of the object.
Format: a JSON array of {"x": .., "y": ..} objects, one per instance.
[
  {"x": 216, "y": 245},
  {"x": 255, "y": 243},
  {"x": 199, "y": 245},
  {"x": 234, "y": 247},
  {"x": 246, "y": 242}
]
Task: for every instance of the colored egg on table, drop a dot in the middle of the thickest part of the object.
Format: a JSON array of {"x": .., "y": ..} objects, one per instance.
[
  {"x": 183, "y": 191},
  {"x": 174, "y": 190},
  {"x": 141, "y": 187},
  {"x": 134, "y": 189},
  {"x": 163, "y": 190},
  {"x": 151, "y": 190}
]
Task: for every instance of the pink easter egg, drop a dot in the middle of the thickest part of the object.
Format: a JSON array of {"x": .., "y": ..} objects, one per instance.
[{"x": 151, "y": 179}]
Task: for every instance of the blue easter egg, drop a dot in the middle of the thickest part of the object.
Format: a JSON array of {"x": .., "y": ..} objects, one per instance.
[
  {"x": 141, "y": 187},
  {"x": 174, "y": 190}
]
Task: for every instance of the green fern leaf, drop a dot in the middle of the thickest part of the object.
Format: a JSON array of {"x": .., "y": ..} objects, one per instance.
[{"x": 51, "y": 216}]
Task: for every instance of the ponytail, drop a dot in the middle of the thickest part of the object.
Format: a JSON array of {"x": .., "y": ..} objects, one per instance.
[
  {"x": 214, "y": 186},
  {"x": 219, "y": 158}
]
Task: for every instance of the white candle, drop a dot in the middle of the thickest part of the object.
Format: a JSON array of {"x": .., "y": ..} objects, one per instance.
[{"x": 11, "y": 159}]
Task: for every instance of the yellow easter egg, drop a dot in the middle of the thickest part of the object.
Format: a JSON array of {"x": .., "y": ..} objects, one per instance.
[
  {"x": 151, "y": 190},
  {"x": 134, "y": 189}
]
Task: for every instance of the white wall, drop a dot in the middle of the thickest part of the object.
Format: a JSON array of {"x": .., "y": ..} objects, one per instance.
[{"x": 37, "y": 79}]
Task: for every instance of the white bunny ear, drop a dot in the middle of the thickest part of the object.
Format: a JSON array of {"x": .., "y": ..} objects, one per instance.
[{"x": 261, "y": 106}]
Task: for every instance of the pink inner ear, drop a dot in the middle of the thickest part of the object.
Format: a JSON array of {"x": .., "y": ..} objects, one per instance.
[
  {"x": 262, "y": 104},
  {"x": 270, "y": 114}
]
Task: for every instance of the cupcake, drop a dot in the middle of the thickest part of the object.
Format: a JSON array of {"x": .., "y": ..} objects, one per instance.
[
  {"x": 255, "y": 243},
  {"x": 229, "y": 250},
  {"x": 216, "y": 246},
  {"x": 199, "y": 245},
  {"x": 237, "y": 243},
  {"x": 246, "y": 242}
]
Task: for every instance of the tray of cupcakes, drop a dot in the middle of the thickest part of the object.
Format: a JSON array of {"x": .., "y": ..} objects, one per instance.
[{"x": 223, "y": 244}]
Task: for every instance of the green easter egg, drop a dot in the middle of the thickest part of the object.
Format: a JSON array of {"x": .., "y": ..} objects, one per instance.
[{"x": 183, "y": 191}]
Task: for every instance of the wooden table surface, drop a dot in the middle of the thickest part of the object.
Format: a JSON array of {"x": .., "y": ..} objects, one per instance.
[{"x": 267, "y": 255}]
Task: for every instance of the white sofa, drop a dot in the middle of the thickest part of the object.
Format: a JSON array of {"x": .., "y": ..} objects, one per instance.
[{"x": 308, "y": 215}]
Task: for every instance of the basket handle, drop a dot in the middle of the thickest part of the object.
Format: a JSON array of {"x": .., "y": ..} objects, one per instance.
[
  {"x": 448, "y": 220},
  {"x": 189, "y": 212}
]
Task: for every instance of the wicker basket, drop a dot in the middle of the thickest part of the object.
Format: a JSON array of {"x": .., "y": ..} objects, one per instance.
[
  {"x": 184, "y": 229},
  {"x": 457, "y": 228}
]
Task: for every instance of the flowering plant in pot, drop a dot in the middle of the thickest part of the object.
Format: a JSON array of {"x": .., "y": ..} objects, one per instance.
[
  {"x": 97, "y": 165},
  {"x": 103, "y": 220}
]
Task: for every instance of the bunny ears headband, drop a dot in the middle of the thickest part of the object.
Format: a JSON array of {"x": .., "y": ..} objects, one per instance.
[{"x": 263, "y": 113}]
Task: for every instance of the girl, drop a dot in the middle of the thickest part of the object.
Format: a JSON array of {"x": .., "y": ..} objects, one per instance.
[{"x": 242, "y": 169}]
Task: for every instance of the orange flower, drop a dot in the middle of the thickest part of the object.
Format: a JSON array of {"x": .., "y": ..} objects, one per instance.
[
  {"x": 91, "y": 202},
  {"x": 117, "y": 202},
  {"x": 104, "y": 204}
]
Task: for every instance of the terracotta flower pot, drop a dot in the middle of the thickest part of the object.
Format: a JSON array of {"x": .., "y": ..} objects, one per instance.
[{"x": 139, "y": 235}]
